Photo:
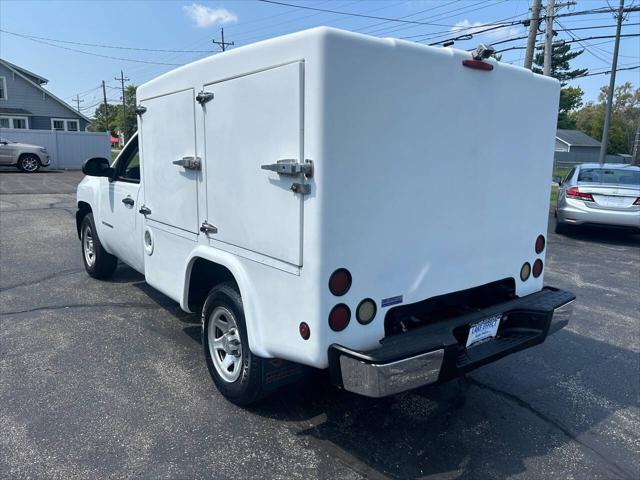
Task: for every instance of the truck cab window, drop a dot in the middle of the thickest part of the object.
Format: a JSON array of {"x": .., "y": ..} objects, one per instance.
[{"x": 128, "y": 167}]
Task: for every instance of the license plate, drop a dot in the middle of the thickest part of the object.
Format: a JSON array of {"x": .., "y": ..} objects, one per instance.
[
  {"x": 487, "y": 328},
  {"x": 612, "y": 201}
]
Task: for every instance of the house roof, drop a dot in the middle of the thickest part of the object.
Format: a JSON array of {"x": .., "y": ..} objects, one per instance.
[
  {"x": 575, "y": 138},
  {"x": 38, "y": 78},
  {"x": 19, "y": 71},
  {"x": 14, "y": 111}
]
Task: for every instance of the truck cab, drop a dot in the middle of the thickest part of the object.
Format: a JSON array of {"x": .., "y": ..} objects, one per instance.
[{"x": 337, "y": 201}]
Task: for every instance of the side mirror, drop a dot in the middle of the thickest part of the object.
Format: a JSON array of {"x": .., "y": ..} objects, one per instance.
[
  {"x": 558, "y": 180},
  {"x": 98, "y": 167}
]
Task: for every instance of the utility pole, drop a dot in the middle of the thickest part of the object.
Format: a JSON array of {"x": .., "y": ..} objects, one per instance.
[
  {"x": 122, "y": 79},
  {"x": 77, "y": 99},
  {"x": 533, "y": 32},
  {"x": 635, "y": 158},
  {"x": 222, "y": 43},
  {"x": 548, "y": 38},
  {"x": 106, "y": 111},
  {"x": 612, "y": 84}
]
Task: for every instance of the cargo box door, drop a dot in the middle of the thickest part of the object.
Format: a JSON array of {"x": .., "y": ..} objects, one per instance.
[
  {"x": 167, "y": 146},
  {"x": 253, "y": 121}
]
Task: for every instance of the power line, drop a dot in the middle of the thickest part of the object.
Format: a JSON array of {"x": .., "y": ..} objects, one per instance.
[
  {"x": 90, "y": 53},
  {"x": 360, "y": 15},
  {"x": 102, "y": 45},
  {"x": 521, "y": 47}
]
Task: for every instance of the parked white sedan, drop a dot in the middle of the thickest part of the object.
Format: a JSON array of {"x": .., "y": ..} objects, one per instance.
[
  {"x": 28, "y": 158},
  {"x": 594, "y": 194}
]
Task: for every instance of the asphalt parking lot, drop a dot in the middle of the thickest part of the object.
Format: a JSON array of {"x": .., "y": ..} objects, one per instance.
[{"x": 107, "y": 379}]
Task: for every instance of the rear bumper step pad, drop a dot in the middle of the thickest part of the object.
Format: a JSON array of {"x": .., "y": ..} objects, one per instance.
[{"x": 437, "y": 353}]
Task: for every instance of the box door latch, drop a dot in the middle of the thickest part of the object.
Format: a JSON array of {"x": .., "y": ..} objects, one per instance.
[
  {"x": 291, "y": 168},
  {"x": 189, "y": 163}
]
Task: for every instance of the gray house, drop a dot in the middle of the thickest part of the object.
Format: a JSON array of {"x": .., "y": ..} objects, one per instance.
[
  {"x": 25, "y": 104},
  {"x": 576, "y": 142}
]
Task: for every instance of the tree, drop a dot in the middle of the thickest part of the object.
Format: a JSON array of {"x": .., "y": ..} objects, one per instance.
[
  {"x": 113, "y": 122},
  {"x": 570, "y": 97},
  {"x": 625, "y": 114}
]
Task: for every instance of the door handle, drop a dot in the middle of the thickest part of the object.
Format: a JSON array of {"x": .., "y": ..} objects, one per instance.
[
  {"x": 144, "y": 210},
  {"x": 128, "y": 201},
  {"x": 190, "y": 163}
]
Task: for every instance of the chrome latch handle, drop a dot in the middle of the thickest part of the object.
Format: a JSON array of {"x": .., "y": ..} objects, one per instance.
[
  {"x": 290, "y": 167},
  {"x": 207, "y": 228},
  {"x": 189, "y": 163},
  {"x": 144, "y": 210}
]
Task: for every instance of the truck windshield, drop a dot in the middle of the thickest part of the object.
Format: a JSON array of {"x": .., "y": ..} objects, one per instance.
[{"x": 619, "y": 176}]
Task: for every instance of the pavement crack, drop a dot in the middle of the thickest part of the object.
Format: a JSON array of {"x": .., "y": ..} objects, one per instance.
[
  {"x": 549, "y": 421},
  {"x": 42, "y": 279},
  {"x": 87, "y": 305}
]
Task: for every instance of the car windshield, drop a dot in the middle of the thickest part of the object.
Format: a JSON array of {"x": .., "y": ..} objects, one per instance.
[{"x": 618, "y": 176}]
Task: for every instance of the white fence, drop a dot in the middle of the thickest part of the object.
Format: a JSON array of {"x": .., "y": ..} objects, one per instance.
[{"x": 66, "y": 149}]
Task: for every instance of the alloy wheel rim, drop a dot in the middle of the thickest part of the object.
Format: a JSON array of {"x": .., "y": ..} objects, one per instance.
[
  {"x": 30, "y": 164},
  {"x": 225, "y": 346},
  {"x": 88, "y": 246}
]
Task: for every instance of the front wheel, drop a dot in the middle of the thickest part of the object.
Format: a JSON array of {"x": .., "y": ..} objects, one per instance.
[
  {"x": 97, "y": 261},
  {"x": 236, "y": 372},
  {"x": 29, "y": 163}
]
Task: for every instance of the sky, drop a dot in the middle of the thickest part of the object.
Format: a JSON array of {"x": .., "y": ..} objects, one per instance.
[{"x": 70, "y": 49}]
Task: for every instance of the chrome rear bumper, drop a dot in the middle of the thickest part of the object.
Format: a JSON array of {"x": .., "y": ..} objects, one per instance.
[{"x": 437, "y": 352}]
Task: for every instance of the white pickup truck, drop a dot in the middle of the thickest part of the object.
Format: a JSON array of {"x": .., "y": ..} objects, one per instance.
[{"x": 334, "y": 200}]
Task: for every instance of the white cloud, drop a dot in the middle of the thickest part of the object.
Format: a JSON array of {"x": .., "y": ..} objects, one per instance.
[
  {"x": 204, "y": 16},
  {"x": 466, "y": 27}
]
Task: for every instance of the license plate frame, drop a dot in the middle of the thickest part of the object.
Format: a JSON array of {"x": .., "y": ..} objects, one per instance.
[{"x": 483, "y": 330}]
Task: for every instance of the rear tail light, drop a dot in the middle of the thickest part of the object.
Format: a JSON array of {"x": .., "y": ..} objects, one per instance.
[
  {"x": 478, "y": 65},
  {"x": 340, "y": 282},
  {"x": 305, "y": 331},
  {"x": 339, "y": 317},
  {"x": 366, "y": 311},
  {"x": 525, "y": 271},
  {"x": 574, "y": 192},
  {"x": 540, "y": 242},
  {"x": 537, "y": 268},
  {"x": 637, "y": 202}
]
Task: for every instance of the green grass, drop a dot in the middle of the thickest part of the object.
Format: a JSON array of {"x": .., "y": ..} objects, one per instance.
[{"x": 114, "y": 154}]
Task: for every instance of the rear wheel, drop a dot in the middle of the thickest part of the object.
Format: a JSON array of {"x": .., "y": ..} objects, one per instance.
[
  {"x": 29, "y": 163},
  {"x": 236, "y": 371},
  {"x": 561, "y": 228},
  {"x": 97, "y": 261}
]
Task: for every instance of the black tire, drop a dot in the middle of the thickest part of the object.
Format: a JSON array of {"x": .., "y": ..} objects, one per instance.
[
  {"x": 29, "y": 163},
  {"x": 561, "y": 228},
  {"x": 248, "y": 387},
  {"x": 103, "y": 264}
]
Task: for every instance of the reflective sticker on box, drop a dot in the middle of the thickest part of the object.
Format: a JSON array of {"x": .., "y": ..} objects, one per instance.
[{"x": 387, "y": 302}]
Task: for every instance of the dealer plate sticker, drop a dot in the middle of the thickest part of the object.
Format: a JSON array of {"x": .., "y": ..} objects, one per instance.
[{"x": 487, "y": 328}]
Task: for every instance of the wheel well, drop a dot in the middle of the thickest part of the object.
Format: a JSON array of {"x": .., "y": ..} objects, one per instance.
[
  {"x": 83, "y": 209},
  {"x": 205, "y": 274}
]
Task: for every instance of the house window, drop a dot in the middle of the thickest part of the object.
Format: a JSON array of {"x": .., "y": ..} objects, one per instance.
[
  {"x": 14, "y": 122},
  {"x": 3, "y": 88},
  {"x": 65, "y": 125}
]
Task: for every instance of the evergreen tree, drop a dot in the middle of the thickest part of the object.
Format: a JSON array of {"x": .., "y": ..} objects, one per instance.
[{"x": 570, "y": 97}]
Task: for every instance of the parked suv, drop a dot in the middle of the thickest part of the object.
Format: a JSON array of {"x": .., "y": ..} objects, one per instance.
[{"x": 28, "y": 158}]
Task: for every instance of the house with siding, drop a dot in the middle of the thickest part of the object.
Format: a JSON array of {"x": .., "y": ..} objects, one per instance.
[
  {"x": 25, "y": 104},
  {"x": 577, "y": 142}
]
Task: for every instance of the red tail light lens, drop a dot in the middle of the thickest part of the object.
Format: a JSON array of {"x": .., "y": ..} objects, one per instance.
[
  {"x": 305, "y": 331},
  {"x": 540, "y": 242},
  {"x": 537, "y": 268},
  {"x": 340, "y": 282},
  {"x": 339, "y": 317},
  {"x": 574, "y": 192},
  {"x": 478, "y": 65}
]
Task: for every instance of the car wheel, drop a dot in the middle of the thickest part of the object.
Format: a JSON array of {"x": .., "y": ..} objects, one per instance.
[
  {"x": 561, "y": 228},
  {"x": 29, "y": 163},
  {"x": 236, "y": 372},
  {"x": 97, "y": 261}
]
